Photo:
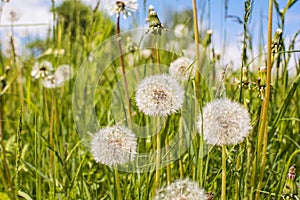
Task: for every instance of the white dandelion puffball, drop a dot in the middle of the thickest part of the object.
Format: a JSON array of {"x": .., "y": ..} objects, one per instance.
[
  {"x": 52, "y": 81},
  {"x": 182, "y": 68},
  {"x": 181, "y": 189},
  {"x": 125, "y": 7},
  {"x": 114, "y": 145},
  {"x": 64, "y": 72},
  {"x": 159, "y": 95},
  {"x": 181, "y": 30},
  {"x": 41, "y": 70},
  {"x": 224, "y": 122}
]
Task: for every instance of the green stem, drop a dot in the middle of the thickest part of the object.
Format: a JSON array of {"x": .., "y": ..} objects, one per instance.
[
  {"x": 124, "y": 72},
  {"x": 197, "y": 42},
  {"x": 180, "y": 146},
  {"x": 263, "y": 129},
  {"x": 223, "y": 193},
  {"x": 237, "y": 183},
  {"x": 51, "y": 142},
  {"x": 157, "y": 168},
  {"x": 168, "y": 159},
  {"x": 197, "y": 93},
  {"x": 51, "y": 132},
  {"x": 18, "y": 152},
  {"x": 117, "y": 181},
  {"x": 157, "y": 55}
]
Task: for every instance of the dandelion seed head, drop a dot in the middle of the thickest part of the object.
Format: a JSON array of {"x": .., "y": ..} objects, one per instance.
[
  {"x": 124, "y": 7},
  {"x": 224, "y": 122},
  {"x": 64, "y": 72},
  {"x": 114, "y": 145},
  {"x": 52, "y": 81},
  {"x": 41, "y": 70},
  {"x": 181, "y": 190},
  {"x": 182, "y": 69},
  {"x": 159, "y": 95}
]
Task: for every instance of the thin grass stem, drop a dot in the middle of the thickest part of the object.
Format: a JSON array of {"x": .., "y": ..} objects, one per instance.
[{"x": 263, "y": 128}]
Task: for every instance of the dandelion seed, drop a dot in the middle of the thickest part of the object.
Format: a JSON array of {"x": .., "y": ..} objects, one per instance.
[
  {"x": 181, "y": 189},
  {"x": 41, "y": 70},
  {"x": 182, "y": 69},
  {"x": 117, "y": 7},
  {"x": 159, "y": 95},
  {"x": 224, "y": 122},
  {"x": 114, "y": 145}
]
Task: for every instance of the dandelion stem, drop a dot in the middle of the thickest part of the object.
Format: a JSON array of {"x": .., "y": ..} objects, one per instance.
[
  {"x": 168, "y": 159},
  {"x": 223, "y": 194},
  {"x": 118, "y": 183},
  {"x": 157, "y": 55},
  {"x": 51, "y": 132},
  {"x": 157, "y": 168},
  {"x": 123, "y": 71},
  {"x": 237, "y": 183},
  {"x": 153, "y": 48},
  {"x": 158, "y": 157},
  {"x": 180, "y": 146},
  {"x": 263, "y": 129}
]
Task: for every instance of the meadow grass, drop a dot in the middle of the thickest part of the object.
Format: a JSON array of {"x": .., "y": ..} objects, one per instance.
[{"x": 45, "y": 154}]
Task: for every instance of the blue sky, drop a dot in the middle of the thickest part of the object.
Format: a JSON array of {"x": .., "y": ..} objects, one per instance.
[{"x": 37, "y": 11}]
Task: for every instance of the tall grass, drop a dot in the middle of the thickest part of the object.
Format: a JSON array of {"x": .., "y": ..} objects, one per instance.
[{"x": 44, "y": 157}]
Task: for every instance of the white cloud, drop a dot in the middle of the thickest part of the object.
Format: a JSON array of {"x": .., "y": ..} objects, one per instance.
[
  {"x": 29, "y": 12},
  {"x": 34, "y": 19}
]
